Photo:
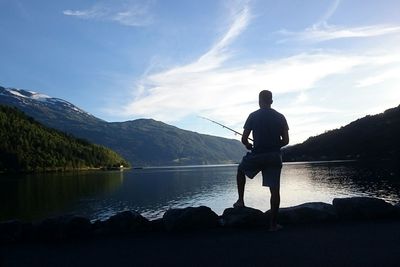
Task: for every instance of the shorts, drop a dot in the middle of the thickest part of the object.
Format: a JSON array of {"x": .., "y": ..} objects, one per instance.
[{"x": 270, "y": 165}]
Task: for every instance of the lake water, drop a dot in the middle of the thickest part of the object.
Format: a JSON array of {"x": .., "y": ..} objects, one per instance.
[{"x": 151, "y": 192}]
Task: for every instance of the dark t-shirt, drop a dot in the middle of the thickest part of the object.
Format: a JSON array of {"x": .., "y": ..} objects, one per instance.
[{"x": 268, "y": 126}]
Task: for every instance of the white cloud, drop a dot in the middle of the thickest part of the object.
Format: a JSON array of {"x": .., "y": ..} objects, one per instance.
[
  {"x": 329, "y": 13},
  {"x": 301, "y": 98},
  {"x": 324, "y": 32},
  {"x": 200, "y": 88},
  {"x": 301, "y": 110},
  {"x": 210, "y": 87},
  {"x": 130, "y": 13},
  {"x": 392, "y": 73},
  {"x": 80, "y": 13}
]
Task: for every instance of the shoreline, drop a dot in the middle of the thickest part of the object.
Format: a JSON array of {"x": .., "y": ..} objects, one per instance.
[
  {"x": 232, "y": 164},
  {"x": 335, "y": 244},
  {"x": 69, "y": 226},
  {"x": 359, "y": 231},
  {"x": 65, "y": 171}
]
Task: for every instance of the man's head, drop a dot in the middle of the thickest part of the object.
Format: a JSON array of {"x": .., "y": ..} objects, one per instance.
[{"x": 265, "y": 98}]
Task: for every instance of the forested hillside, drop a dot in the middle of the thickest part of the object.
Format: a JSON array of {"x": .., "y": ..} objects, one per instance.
[
  {"x": 371, "y": 137},
  {"x": 26, "y": 145},
  {"x": 143, "y": 142}
]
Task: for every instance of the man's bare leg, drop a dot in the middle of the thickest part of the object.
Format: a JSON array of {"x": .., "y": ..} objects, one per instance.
[
  {"x": 241, "y": 182},
  {"x": 275, "y": 201}
]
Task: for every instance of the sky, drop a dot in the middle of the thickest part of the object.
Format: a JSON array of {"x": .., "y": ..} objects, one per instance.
[{"x": 327, "y": 62}]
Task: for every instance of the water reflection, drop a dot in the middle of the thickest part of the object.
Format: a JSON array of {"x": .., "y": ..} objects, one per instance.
[
  {"x": 152, "y": 191},
  {"x": 32, "y": 197},
  {"x": 325, "y": 181}
]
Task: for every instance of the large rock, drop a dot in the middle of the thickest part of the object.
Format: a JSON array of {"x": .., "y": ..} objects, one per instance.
[
  {"x": 243, "y": 217},
  {"x": 77, "y": 226},
  {"x": 362, "y": 208},
  {"x": 126, "y": 221},
  {"x": 62, "y": 227},
  {"x": 190, "y": 218},
  {"x": 50, "y": 229},
  {"x": 14, "y": 231},
  {"x": 157, "y": 225},
  {"x": 99, "y": 228},
  {"x": 397, "y": 211},
  {"x": 312, "y": 212}
]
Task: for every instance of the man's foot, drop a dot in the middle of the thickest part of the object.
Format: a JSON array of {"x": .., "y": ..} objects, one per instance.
[
  {"x": 238, "y": 204},
  {"x": 275, "y": 228}
]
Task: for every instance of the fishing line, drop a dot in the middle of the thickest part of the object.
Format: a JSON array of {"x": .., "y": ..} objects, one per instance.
[{"x": 223, "y": 126}]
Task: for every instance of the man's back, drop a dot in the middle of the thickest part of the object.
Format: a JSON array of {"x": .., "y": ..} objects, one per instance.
[
  {"x": 267, "y": 125},
  {"x": 270, "y": 133}
]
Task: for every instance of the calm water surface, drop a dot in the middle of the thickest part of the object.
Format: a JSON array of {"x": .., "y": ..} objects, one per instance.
[{"x": 151, "y": 192}]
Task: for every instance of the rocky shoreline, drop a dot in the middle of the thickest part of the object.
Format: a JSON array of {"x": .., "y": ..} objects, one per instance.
[{"x": 196, "y": 218}]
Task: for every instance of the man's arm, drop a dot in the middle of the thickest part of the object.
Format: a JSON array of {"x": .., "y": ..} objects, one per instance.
[
  {"x": 245, "y": 140},
  {"x": 285, "y": 138}
]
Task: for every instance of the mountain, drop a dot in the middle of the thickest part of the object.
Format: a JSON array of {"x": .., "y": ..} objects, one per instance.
[
  {"x": 371, "y": 137},
  {"x": 141, "y": 142},
  {"x": 46, "y": 109},
  {"x": 27, "y": 145}
]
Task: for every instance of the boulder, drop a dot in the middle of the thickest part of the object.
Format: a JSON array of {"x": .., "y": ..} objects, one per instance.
[
  {"x": 125, "y": 222},
  {"x": 362, "y": 208},
  {"x": 157, "y": 225},
  {"x": 77, "y": 226},
  {"x": 243, "y": 217},
  {"x": 50, "y": 229},
  {"x": 62, "y": 227},
  {"x": 312, "y": 212},
  {"x": 190, "y": 218},
  {"x": 14, "y": 231},
  {"x": 99, "y": 228},
  {"x": 397, "y": 211}
]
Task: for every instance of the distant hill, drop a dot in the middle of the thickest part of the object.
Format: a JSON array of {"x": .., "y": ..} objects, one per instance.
[
  {"x": 141, "y": 142},
  {"x": 27, "y": 145},
  {"x": 372, "y": 137}
]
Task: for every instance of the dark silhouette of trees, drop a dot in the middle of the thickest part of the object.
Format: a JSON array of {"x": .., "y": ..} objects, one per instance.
[{"x": 371, "y": 137}]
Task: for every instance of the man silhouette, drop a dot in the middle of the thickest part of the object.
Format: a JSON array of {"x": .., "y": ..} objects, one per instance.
[{"x": 270, "y": 133}]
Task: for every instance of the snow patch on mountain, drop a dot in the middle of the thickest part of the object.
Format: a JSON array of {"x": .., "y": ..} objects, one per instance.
[
  {"x": 28, "y": 94},
  {"x": 42, "y": 98},
  {"x": 14, "y": 92},
  {"x": 39, "y": 97}
]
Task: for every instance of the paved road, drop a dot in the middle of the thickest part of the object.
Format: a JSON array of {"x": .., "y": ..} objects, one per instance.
[{"x": 344, "y": 244}]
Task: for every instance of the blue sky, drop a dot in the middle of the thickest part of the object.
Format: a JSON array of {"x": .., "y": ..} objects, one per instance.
[{"x": 327, "y": 62}]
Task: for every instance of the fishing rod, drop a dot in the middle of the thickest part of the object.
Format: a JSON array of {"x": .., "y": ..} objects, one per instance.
[{"x": 226, "y": 127}]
